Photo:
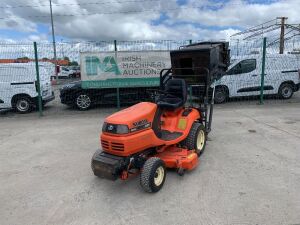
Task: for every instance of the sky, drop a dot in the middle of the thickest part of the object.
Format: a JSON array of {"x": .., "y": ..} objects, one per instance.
[{"x": 101, "y": 20}]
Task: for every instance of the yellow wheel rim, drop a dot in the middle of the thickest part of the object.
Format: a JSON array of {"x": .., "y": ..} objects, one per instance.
[
  {"x": 159, "y": 176},
  {"x": 200, "y": 140}
]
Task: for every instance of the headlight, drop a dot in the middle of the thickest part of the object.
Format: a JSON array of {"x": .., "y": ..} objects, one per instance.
[
  {"x": 122, "y": 129},
  {"x": 115, "y": 128}
]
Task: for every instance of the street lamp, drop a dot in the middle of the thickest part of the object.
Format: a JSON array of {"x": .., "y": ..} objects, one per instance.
[{"x": 53, "y": 40}]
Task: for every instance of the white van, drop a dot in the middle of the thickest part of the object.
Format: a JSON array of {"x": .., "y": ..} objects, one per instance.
[
  {"x": 18, "y": 85},
  {"x": 243, "y": 78}
]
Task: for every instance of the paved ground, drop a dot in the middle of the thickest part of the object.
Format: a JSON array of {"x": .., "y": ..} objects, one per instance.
[{"x": 249, "y": 174}]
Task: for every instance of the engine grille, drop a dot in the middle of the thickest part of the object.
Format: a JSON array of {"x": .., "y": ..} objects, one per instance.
[
  {"x": 117, "y": 146},
  {"x": 107, "y": 145}
]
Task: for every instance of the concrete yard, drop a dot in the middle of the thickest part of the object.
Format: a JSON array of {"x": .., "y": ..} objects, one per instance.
[{"x": 249, "y": 173}]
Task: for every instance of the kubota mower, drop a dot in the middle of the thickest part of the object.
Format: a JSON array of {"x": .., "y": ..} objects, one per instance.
[{"x": 148, "y": 137}]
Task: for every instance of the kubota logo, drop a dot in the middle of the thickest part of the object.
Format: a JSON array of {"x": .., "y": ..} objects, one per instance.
[
  {"x": 110, "y": 127},
  {"x": 108, "y": 65}
]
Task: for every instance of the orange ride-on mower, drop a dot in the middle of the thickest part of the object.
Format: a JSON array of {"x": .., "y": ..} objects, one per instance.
[{"x": 148, "y": 137}]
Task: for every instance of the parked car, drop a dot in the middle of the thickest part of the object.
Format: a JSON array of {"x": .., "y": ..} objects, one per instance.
[
  {"x": 64, "y": 73},
  {"x": 243, "y": 78},
  {"x": 18, "y": 88},
  {"x": 74, "y": 71},
  {"x": 73, "y": 94},
  {"x": 68, "y": 72}
]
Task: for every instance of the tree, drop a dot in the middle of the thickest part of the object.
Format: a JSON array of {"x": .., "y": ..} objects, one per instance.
[
  {"x": 24, "y": 58},
  {"x": 66, "y": 58},
  {"x": 73, "y": 63}
]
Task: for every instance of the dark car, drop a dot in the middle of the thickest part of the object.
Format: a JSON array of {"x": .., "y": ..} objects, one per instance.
[{"x": 73, "y": 94}]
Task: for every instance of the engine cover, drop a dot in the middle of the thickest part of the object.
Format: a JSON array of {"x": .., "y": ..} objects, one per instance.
[{"x": 134, "y": 116}]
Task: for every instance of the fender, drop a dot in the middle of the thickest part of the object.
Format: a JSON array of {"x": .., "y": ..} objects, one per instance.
[{"x": 183, "y": 124}]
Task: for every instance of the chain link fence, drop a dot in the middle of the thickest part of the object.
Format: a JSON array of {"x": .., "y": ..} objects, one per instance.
[
  {"x": 18, "y": 86},
  {"x": 244, "y": 79},
  {"x": 242, "y": 83}
]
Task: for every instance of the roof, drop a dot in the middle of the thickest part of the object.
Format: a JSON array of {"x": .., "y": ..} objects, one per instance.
[{"x": 59, "y": 62}]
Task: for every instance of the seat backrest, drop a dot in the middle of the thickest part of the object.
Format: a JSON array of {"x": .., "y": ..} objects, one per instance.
[{"x": 177, "y": 87}]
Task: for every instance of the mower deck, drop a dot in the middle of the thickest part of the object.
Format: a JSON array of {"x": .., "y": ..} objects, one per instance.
[
  {"x": 109, "y": 166},
  {"x": 179, "y": 158}
]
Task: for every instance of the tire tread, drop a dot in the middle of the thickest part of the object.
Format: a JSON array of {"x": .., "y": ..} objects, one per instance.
[
  {"x": 282, "y": 86},
  {"x": 146, "y": 173},
  {"x": 190, "y": 141}
]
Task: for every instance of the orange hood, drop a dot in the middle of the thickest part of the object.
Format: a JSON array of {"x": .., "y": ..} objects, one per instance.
[{"x": 134, "y": 114}]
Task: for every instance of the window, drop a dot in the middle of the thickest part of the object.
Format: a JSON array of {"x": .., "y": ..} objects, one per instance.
[{"x": 245, "y": 66}]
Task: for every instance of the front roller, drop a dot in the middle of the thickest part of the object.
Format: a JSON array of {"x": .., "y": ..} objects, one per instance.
[{"x": 107, "y": 166}]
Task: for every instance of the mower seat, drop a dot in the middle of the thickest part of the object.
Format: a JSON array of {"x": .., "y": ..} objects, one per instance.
[{"x": 175, "y": 95}]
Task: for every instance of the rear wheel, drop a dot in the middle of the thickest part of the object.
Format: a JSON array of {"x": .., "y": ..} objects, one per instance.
[
  {"x": 83, "y": 101},
  {"x": 221, "y": 95},
  {"x": 22, "y": 104},
  {"x": 196, "y": 138},
  {"x": 286, "y": 91},
  {"x": 153, "y": 175}
]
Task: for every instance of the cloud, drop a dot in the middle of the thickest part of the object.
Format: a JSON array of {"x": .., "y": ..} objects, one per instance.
[
  {"x": 18, "y": 24},
  {"x": 238, "y": 13},
  {"x": 116, "y": 19},
  {"x": 38, "y": 38}
]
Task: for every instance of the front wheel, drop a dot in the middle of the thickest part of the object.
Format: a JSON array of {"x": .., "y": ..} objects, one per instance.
[
  {"x": 153, "y": 175},
  {"x": 196, "y": 138},
  {"x": 286, "y": 91},
  {"x": 83, "y": 101}
]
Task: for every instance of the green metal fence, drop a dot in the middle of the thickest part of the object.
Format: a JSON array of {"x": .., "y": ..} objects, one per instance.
[{"x": 258, "y": 73}]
